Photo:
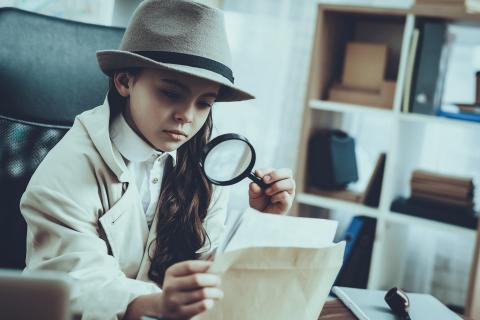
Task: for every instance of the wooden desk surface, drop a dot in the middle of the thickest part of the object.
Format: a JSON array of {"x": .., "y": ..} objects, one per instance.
[{"x": 335, "y": 310}]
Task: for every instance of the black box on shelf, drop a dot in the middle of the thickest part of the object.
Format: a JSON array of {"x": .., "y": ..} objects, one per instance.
[
  {"x": 331, "y": 163},
  {"x": 434, "y": 211}
]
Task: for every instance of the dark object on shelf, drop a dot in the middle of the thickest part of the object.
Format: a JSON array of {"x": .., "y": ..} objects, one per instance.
[
  {"x": 332, "y": 163},
  {"x": 435, "y": 211},
  {"x": 359, "y": 236},
  {"x": 477, "y": 98},
  {"x": 370, "y": 197},
  {"x": 427, "y": 67},
  {"x": 372, "y": 193}
]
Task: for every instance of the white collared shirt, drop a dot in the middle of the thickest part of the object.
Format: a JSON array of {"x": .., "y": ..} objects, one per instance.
[{"x": 145, "y": 163}]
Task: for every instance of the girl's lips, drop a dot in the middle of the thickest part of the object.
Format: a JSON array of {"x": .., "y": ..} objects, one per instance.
[{"x": 175, "y": 135}]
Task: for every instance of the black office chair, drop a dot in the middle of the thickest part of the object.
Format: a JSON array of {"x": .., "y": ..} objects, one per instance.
[{"x": 48, "y": 75}]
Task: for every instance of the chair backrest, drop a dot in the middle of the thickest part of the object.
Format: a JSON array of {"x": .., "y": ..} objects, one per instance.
[{"x": 48, "y": 75}]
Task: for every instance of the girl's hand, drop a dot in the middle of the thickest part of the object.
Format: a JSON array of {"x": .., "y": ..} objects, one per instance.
[
  {"x": 278, "y": 197},
  {"x": 188, "y": 290}
]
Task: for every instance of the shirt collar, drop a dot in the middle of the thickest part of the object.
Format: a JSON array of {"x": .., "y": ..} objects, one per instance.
[{"x": 130, "y": 145}]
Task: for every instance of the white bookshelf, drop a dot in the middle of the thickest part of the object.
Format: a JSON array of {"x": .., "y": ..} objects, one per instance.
[
  {"x": 336, "y": 204},
  {"x": 333, "y": 106},
  {"x": 402, "y": 138}
]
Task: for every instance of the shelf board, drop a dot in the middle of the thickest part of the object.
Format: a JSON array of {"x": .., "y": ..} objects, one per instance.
[
  {"x": 336, "y": 204},
  {"x": 428, "y": 223},
  {"x": 348, "y": 108},
  {"x": 423, "y": 118}
]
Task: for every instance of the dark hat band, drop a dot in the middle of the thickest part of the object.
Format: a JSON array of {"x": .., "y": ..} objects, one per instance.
[{"x": 189, "y": 60}]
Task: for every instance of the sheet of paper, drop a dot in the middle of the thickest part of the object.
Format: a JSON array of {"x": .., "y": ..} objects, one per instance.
[
  {"x": 275, "y": 283},
  {"x": 257, "y": 229}
]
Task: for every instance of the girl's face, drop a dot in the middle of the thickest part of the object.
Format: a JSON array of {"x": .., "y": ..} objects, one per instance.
[{"x": 166, "y": 108}]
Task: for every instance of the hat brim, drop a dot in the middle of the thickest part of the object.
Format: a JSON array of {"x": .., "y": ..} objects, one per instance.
[{"x": 112, "y": 60}]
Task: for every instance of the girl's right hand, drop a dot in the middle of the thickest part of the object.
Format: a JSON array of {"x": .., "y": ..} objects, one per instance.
[{"x": 188, "y": 290}]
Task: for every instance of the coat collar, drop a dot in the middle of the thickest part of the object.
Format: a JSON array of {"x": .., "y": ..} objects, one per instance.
[
  {"x": 130, "y": 145},
  {"x": 96, "y": 122}
]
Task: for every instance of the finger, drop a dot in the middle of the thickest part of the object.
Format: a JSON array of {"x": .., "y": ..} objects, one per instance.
[
  {"x": 281, "y": 206},
  {"x": 263, "y": 172},
  {"x": 277, "y": 175},
  {"x": 188, "y": 267},
  {"x": 196, "y": 281},
  {"x": 280, "y": 197},
  {"x": 287, "y": 184},
  {"x": 190, "y": 297},
  {"x": 196, "y": 308},
  {"x": 255, "y": 191}
]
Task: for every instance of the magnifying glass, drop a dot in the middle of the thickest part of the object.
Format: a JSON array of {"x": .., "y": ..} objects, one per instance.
[{"x": 228, "y": 159}]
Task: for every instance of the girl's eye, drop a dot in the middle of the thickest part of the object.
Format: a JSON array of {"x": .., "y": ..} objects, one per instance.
[
  {"x": 172, "y": 95},
  {"x": 206, "y": 104}
]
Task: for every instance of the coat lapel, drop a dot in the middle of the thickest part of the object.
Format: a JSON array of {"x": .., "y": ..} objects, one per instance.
[
  {"x": 149, "y": 251},
  {"x": 150, "y": 247}
]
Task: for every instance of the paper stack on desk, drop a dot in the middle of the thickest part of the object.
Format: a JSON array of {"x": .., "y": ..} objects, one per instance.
[{"x": 275, "y": 267}]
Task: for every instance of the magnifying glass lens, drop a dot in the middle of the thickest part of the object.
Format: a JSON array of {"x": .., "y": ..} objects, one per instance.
[{"x": 228, "y": 160}]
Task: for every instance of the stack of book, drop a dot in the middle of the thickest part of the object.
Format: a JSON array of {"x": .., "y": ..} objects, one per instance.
[
  {"x": 441, "y": 189},
  {"x": 439, "y": 197}
]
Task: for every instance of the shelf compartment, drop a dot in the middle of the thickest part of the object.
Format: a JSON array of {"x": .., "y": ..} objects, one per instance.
[
  {"x": 428, "y": 223},
  {"x": 336, "y": 204},
  {"x": 325, "y": 105},
  {"x": 427, "y": 119},
  {"x": 337, "y": 27}
]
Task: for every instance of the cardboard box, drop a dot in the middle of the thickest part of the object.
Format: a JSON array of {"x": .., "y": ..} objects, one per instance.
[
  {"x": 382, "y": 98},
  {"x": 364, "y": 65}
]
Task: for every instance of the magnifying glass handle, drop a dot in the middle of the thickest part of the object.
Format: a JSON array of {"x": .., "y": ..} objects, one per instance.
[{"x": 258, "y": 180}]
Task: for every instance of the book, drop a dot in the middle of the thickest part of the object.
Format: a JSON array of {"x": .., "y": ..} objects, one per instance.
[
  {"x": 439, "y": 189},
  {"x": 409, "y": 71},
  {"x": 371, "y": 196},
  {"x": 467, "y": 116},
  {"x": 371, "y": 305},
  {"x": 431, "y": 177},
  {"x": 359, "y": 238}
]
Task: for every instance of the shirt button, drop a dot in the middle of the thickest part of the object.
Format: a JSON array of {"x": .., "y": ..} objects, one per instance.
[{"x": 154, "y": 180}]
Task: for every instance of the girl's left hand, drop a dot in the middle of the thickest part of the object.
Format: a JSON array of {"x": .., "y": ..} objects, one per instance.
[{"x": 278, "y": 197}]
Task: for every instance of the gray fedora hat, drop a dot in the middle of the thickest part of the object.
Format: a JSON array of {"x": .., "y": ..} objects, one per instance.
[{"x": 177, "y": 35}]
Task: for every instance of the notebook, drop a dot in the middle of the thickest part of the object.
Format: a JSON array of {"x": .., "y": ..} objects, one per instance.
[{"x": 371, "y": 305}]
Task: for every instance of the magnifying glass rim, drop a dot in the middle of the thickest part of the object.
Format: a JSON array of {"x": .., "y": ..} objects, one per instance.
[{"x": 216, "y": 141}]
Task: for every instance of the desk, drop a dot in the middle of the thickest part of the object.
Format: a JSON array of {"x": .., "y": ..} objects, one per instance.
[{"x": 335, "y": 310}]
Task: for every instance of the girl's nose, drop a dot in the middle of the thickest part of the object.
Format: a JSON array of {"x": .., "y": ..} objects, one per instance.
[{"x": 185, "y": 114}]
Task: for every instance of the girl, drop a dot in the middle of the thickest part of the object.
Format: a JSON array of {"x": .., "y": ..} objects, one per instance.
[{"x": 120, "y": 203}]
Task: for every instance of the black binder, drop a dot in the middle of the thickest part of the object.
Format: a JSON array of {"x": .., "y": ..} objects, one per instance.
[{"x": 427, "y": 67}]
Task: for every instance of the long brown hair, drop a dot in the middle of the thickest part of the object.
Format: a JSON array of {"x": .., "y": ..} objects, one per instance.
[{"x": 183, "y": 201}]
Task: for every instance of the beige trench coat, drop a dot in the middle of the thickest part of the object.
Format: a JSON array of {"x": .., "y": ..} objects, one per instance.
[{"x": 83, "y": 219}]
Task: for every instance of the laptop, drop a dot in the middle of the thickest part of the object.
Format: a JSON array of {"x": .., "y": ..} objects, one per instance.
[{"x": 34, "y": 295}]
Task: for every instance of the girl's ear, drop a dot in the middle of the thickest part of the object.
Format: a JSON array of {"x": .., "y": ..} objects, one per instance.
[{"x": 121, "y": 80}]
